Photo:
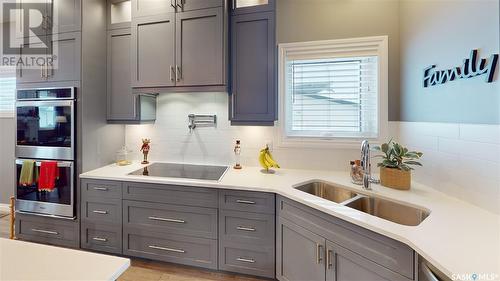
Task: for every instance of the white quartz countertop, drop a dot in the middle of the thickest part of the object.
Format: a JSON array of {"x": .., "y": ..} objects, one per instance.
[
  {"x": 457, "y": 237},
  {"x": 25, "y": 261}
]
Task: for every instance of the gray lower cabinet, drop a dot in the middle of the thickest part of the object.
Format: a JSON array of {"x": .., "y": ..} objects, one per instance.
[
  {"x": 52, "y": 231},
  {"x": 101, "y": 237},
  {"x": 300, "y": 253},
  {"x": 331, "y": 249},
  {"x": 253, "y": 91},
  {"x": 200, "y": 59},
  {"x": 153, "y": 64}
]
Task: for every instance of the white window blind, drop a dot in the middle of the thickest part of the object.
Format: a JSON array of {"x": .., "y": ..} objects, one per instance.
[
  {"x": 332, "y": 96},
  {"x": 7, "y": 91}
]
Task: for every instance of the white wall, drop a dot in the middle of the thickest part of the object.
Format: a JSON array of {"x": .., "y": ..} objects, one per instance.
[
  {"x": 172, "y": 141},
  {"x": 462, "y": 160}
]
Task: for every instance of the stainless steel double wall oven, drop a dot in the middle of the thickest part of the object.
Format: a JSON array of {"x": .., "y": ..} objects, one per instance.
[{"x": 45, "y": 132}]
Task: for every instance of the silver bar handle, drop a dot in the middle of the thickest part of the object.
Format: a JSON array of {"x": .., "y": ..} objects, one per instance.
[
  {"x": 234, "y": 5},
  {"x": 100, "y": 212},
  {"x": 178, "y": 73},
  {"x": 245, "y": 228},
  {"x": 246, "y": 202},
  {"x": 167, "y": 220},
  {"x": 42, "y": 69},
  {"x": 100, "y": 188},
  {"x": 246, "y": 260},
  {"x": 45, "y": 231},
  {"x": 166, "y": 249},
  {"x": 329, "y": 262},
  {"x": 100, "y": 239},
  {"x": 318, "y": 253},
  {"x": 172, "y": 73}
]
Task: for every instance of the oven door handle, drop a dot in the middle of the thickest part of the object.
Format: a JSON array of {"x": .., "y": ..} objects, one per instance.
[
  {"x": 60, "y": 164},
  {"x": 45, "y": 103}
]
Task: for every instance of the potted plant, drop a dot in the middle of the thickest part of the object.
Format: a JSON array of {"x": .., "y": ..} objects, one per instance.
[{"x": 396, "y": 165}]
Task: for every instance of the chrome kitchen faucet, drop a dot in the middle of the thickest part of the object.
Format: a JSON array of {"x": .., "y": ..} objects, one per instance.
[{"x": 366, "y": 165}]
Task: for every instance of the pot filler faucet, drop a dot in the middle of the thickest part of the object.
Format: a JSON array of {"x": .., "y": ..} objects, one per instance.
[{"x": 365, "y": 163}]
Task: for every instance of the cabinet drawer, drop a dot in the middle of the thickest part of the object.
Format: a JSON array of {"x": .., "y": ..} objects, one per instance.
[
  {"x": 249, "y": 201},
  {"x": 382, "y": 250},
  {"x": 109, "y": 211},
  {"x": 171, "y": 248},
  {"x": 175, "y": 219},
  {"x": 101, "y": 238},
  {"x": 47, "y": 231},
  {"x": 101, "y": 189},
  {"x": 242, "y": 227},
  {"x": 174, "y": 194},
  {"x": 248, "y": 259}
]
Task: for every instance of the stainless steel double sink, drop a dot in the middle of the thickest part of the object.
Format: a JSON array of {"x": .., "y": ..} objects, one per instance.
[{"x": 375, "y": 206}]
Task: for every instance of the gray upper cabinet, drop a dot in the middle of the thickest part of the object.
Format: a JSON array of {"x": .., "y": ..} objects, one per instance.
[
  {"x": 344, "y": 265},
  {"x": 239, "y": 7},
  {"x": 67, "y": 48},
  {"x": 300, "y": 254},
  {"x": 144, "y": 8},
  {"x": 63, "y": 15},
  {"x": 121, "y": 101},
  {"x": 153, "y": 51},
  {"x": 253, "y": 69},
  {"x": 199, "y": 48}
]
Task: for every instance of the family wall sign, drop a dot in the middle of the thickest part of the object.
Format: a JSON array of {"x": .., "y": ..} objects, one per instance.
[{"x": 471, "y": 67}]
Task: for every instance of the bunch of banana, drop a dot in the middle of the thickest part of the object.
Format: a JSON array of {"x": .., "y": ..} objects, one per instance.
[{"x": 266, "y": 159}]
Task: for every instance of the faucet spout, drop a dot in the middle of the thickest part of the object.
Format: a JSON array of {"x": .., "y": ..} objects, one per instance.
[{"x": 366, "y": 165}]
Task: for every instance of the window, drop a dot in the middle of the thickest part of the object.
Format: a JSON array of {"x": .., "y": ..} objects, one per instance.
[
  {"x": 7, "y": 91},
  {"x": 333, "y": 90}
]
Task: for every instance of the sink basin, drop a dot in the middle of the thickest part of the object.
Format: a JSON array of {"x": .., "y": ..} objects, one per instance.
[
  {"x": 385, "y": 209},
  {"x": 389, "y": 210},
  {"x": 327, "y": 191}
]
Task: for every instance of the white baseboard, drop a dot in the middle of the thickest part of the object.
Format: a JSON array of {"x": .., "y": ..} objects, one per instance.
[{"x": 4, "y": 208}]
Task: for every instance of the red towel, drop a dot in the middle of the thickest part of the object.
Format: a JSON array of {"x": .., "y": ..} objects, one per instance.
[{"x": 49, "y": 173}]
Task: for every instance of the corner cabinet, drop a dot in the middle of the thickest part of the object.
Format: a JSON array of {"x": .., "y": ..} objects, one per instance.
[
  {"x": 317, "y": 247},
  {"x": 253, "y": 91},
  {"x": 189, "y": 52}
]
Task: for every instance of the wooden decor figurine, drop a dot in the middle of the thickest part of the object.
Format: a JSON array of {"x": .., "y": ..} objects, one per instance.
[{"x": 145, "y": 150}]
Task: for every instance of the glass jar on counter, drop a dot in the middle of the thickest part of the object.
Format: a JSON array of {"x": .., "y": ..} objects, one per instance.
[
  {"x": 356, "y": 172},
  {"x": 123, "y": 156}
]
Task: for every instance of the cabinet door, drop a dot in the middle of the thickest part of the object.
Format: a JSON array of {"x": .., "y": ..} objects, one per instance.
[
  {"x": 143, "y": 8},
  {"x": 33, "y": 70},
  {"x": 344, "y": 265},
  {"x": 253, "y": 64},
  {"x": 121, "y": 101},
  {"x": 189, "y": 5},
  {"x": 66, "y": 49},
  {"x": 200, "y": 48},
  {"x": 300, "y": 253},
  {"x": 63, "y": 16},
  {"x": 239, "y": 7},
  {"x": 153, "y": 51}
]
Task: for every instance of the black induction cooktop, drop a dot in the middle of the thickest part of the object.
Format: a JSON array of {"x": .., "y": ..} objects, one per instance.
[{"x": 185, "y": 171}]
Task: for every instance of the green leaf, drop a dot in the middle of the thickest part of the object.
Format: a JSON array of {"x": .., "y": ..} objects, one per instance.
[
  {"x": 385, "y": 147},
  {"x": 413, "y": 163}
]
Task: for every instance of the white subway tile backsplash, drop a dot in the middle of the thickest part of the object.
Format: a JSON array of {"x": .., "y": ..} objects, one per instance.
[{"x": 462, "y": 160}]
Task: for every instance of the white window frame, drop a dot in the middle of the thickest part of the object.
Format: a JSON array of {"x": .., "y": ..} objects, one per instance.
[{"x": 376, "y": 45}]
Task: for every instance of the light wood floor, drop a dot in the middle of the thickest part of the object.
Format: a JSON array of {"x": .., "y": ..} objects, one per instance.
[{"x": 145, "y": 270}]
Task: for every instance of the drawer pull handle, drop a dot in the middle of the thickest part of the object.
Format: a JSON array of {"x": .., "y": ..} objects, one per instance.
[
  {"x": 100, "y": 212},
  {"x": 318, "y": 253},
  {"x": 329, "y": 261},
  {"x": 246, "y": 260},
  {"x": 167, "y": 249},
  {"x": 167, "y": 220},
  {"x": 245, "y": 202},
  {"x": 101, "y": 188},
  {"x": 45, "y": 231},
  {"x": 100, "y": 239},
  {"x": 243, "y": 228}
]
